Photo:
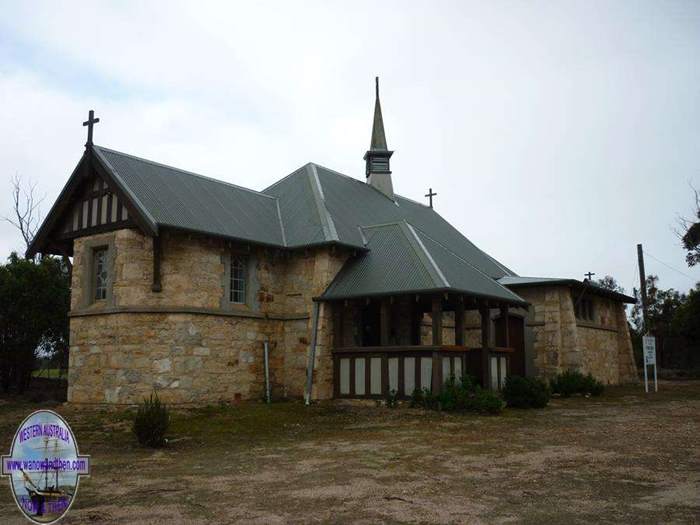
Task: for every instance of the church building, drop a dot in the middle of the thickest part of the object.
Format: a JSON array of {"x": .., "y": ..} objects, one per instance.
[{"x": 321, "y": 285}]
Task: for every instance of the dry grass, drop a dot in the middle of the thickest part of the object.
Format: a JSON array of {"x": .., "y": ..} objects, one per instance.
[{"x": 624, "y": 457}]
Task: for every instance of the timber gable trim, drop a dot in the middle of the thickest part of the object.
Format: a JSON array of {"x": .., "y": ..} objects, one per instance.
[{"x": 91, "y": 165}]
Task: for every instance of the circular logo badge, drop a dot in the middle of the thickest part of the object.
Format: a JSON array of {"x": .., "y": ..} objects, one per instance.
[{"x": 44, "y": 467}]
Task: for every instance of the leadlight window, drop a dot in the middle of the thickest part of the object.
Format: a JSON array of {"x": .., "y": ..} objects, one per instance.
[
  {"x": 99, "y": 264},
  {"x": 238, "y": 279},
  {"x": 583, "y": 308}
]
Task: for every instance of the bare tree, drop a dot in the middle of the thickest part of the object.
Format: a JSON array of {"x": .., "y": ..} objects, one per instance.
[{"x": 27, "y": 214}]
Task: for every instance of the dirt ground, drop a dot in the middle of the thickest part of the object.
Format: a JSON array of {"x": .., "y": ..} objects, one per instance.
[{"x": 624, "y": 457}]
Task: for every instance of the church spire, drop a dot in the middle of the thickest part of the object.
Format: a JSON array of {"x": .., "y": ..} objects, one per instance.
[
  {"x": 377, "y": 157},
  {"x": 378, "y": 141}
]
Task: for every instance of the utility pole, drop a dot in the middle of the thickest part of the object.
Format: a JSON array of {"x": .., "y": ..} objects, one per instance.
[
  {"x": 643, "y": 286},
  {"x": 649, "y": 356}
]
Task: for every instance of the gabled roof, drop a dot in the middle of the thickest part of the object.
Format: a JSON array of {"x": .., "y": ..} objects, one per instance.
[
  {"x": 311, "y": 206},
  {"x": 522, "y": 282},
  {"x": 403, "y": 259},
  {"x": 187, "y": 201},
  {"x": 322, "y": 205}
]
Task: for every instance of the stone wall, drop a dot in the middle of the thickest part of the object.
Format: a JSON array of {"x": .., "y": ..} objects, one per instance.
[
  {"x": 187, "y": 341},
  {"x": 561, "y": 342}
]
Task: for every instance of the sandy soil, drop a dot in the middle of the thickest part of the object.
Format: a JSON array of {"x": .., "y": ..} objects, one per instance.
[{"x": 624, "y": 457}]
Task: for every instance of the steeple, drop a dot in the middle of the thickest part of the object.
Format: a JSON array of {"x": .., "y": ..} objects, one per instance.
[{"x": 377, "y": 157}]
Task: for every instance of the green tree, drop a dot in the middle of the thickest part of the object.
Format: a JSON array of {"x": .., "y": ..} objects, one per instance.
[
  {"x": 690, "y": 234},
  {"x": 34, "y": 304},
  {"x": 610, "y": 283},
  {"x": 686, "y": 321},
  {"x": 661, "y": 308}
]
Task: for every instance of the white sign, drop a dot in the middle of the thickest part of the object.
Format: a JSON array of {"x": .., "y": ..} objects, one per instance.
[
  {"x": 649, "y": 349},
  {"x": 649, "y": 344}
]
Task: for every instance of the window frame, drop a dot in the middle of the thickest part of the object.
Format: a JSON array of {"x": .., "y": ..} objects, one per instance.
[
  {"x": 584, "y": 309},
  {"x": 86, "y": 263},
  {"x": 238, "y": 263},
  {"x": 95, "y": 271}
]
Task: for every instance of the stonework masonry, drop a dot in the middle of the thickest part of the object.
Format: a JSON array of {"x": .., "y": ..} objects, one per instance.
[
  {"x": 181, "y": 341},
  {"x": 191, "y": 345},
  {"x": 559, "y": 341}
]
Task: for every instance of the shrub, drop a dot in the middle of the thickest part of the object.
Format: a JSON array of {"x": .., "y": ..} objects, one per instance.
[
  {"x": 525, "y": 392},
  {"x": 573, "y": 382},
  {"x": 417, "y": 399},
  {"x": 151, "y": 422},
  {"x": 485, "y": 402},
  {"x": 592, "y": 386},
  {"x": 453, "y": 395},
  {"x": 459, "y": 395}
]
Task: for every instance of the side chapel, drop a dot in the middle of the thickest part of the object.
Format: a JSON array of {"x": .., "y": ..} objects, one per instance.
[{"x": 184, "y": 284}]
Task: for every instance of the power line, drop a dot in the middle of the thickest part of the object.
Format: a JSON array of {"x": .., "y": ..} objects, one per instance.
[{"x": 695, "y": 280}]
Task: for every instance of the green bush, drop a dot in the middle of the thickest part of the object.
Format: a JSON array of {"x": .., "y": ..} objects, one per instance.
[
  {"x": 573, "y": 382},
  {"x": 592, "y": 386},
  {"x": 458, "y": 395},
  {"x": 151, "y": 422},
  {"x": 525, "y": 392},
  {"x": 485, "y": 401}
]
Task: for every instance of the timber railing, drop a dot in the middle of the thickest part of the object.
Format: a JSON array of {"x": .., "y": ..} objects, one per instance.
[{"x": 375, "y": 371}]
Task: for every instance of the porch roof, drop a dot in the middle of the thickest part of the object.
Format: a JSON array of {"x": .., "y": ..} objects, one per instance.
[{"x": 404, "y": 259}]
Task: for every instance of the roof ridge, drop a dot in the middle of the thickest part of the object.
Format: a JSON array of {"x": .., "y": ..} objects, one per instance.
[
  {"x": 426, "y": 253},
  {"x": 416, "y": 202},
  {"x": 327, "y": 224},
  {"x": 301, "y": 168},
  {"x": 186, "y": 172},
  {"x": 494, "y": 261},
  {"x": 464, "y": 260}
]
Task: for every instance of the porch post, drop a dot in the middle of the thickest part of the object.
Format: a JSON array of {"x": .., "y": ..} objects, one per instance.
[
  {"x": 384, "y": 321},
  {"x": 506, "y": 329},
  {"x": 338, "y": 311},
  {"x": 437, "y": 321},
  {"x": 485, "y": 342},
  {"x": 437, "y": 340},
  {"x": 459, "y": 322}
]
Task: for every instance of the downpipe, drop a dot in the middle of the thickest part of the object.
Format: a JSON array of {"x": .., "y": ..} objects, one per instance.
[
  {"x": 312, "y": 353},
  {"x": 266, "y": 353}
]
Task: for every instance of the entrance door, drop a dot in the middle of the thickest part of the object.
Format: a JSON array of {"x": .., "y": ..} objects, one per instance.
[
  {"x": 370, "y": 324},
  {"x": 516, "y": 329}
]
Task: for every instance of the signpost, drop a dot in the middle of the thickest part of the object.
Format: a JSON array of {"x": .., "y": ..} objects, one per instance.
[{"x": 649, "y": 346}]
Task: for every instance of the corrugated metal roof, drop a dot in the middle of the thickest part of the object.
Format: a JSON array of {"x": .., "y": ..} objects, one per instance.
[
  {"x": 352, "y": 204},
  {"x": 592, "y": 287},
  {"x": 392, "y": 264},
  {"x": 403, "y": 259},
  {"x": 180, "y": 199},
  {"x": 414, "y": 250},
  {"x": 461, "y": 275}
]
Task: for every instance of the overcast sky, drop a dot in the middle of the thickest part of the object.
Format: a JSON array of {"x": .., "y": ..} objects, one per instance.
[{"x": 557, "y": 135}]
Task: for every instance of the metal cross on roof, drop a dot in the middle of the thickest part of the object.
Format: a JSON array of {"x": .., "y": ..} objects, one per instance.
[
  {"x": 430, "y": 196},
  {"x": 90, "y": 122},
  {"x": 589, "y": 275}
]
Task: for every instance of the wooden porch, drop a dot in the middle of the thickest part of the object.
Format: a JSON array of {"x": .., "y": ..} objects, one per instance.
[{"x": 386, "y": 352}]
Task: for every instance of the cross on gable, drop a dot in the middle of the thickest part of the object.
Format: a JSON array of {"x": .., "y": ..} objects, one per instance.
[
  {"x": 589, "y": 275},
  {"x": 430, "y": 196},
  {"x": 90, "y": 122}
]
